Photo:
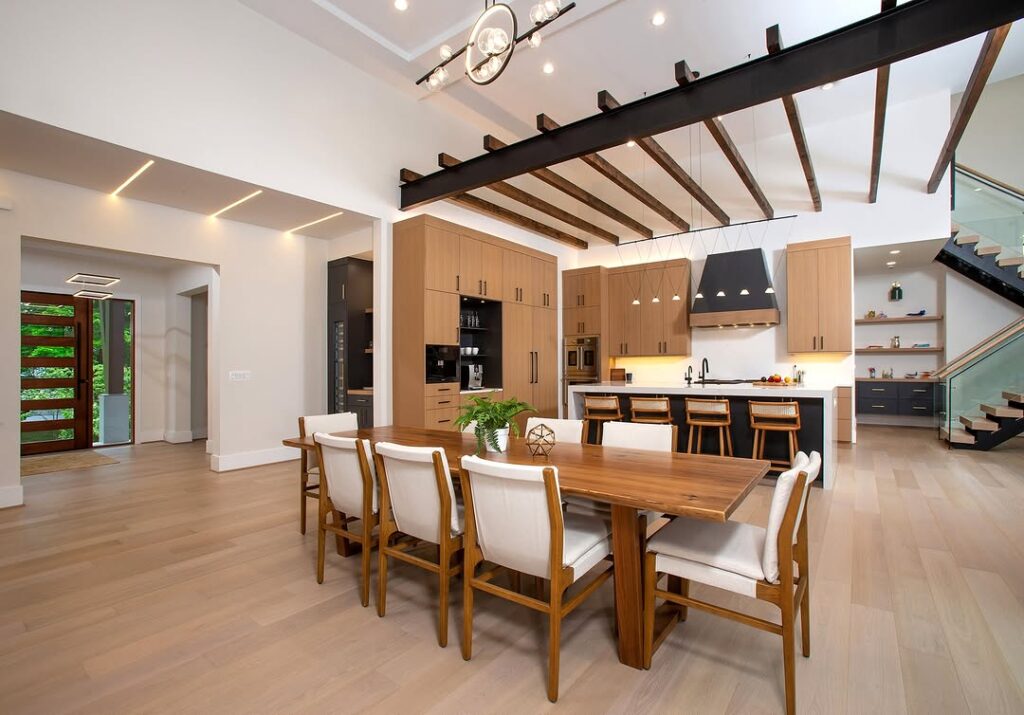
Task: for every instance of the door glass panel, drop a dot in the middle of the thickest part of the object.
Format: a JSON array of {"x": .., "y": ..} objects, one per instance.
[
  {"x": 48, "y": 436},
  {"x": 55, "y": 351},
  {"x": 48, "y": 373},
  {"x": 48, "y": 393},
  {"x": 49, "y": 331},
  {"x": 65, "y": 413},
  {"x": 48, "y": 309},
  {"x": 112, "y": 377}
]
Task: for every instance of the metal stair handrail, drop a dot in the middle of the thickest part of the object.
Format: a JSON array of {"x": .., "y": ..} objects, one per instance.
[{"x": 992, "y": 342}]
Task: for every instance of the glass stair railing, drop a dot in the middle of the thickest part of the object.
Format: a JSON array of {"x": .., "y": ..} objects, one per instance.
[{"x": 989, "y": 208}]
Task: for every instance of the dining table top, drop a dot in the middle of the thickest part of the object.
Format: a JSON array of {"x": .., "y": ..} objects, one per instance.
[{"x": 700, "y": 486}]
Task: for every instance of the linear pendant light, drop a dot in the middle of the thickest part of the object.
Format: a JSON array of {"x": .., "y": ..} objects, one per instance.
[
  {"x": 314, "y": 223},
  {"x": 242, "y": 200},
  {"x": 132, "y": 178},
  {"x": 93, "y": 294},
  {"x": 91, "y": 279}
]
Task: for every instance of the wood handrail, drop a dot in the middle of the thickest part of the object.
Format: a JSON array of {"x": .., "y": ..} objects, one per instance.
[
  {"x": 1000, "y": 336},
  {"x": 985, "y": 177}
]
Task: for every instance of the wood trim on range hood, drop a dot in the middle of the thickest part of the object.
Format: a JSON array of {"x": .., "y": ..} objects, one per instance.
[{"x": 735, "y": 318}]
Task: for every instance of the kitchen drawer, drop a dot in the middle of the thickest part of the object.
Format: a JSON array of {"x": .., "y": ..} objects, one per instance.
[
  {"x": 360, "y": 399},
  {"x": 912, "y": 406},
  {"x": 872, "y": 389},
  {"x": 438, "y": 402},
  {"x": 440, "y": 419},
  {"x": 877, "y": 405},
  {"x": 918, "y": 390},
  {"x": 432, "y": 389}
]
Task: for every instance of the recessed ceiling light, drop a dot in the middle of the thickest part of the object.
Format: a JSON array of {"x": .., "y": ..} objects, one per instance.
[
  {"x": 548, "y": 68},
  {"x": 977, "y": 188},
  {"x": 828, "y": 85},
  {"x": 92, "y": 279},
  {"x": 401, "y": 5},
  {"x": 242, "y": 200},
  {"x": 658, "y": 19},
  {"x": 313, "y": 223},
  {"x": 895, "y": 252},
  {"x": 890, "y": 263},
  {"x": 631, "y": 143},
  {"x": 93, "y": 294},
  {"x": 132, "y": 178}
]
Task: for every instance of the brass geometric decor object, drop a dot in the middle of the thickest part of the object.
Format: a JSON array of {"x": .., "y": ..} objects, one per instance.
[{"x": 540, "y": 440}]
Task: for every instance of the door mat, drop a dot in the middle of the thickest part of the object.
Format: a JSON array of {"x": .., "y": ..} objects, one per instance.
[{"x": 61, "y": 461}]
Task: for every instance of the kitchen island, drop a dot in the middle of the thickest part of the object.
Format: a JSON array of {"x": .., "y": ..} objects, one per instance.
[{"x": 817, "y": 414}]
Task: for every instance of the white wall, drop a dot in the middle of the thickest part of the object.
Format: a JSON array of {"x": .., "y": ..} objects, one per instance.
[
  {"x": 991, "y": 142},
  {"x": 10, "y": 360},
  {"x": 973, "y": 313}
]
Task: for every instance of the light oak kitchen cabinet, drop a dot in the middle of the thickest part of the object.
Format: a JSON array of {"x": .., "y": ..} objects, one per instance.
[
  {"x": 624, "y": 315},
  {"x": 480, "y": 268},
  {"x": 441, "y": 259},
  {"x": 819, "y": 310},
  {"x": 582, "y": 288},
  {"x": 440, "y": 318},
  {"x": 530, "y": 357},
  {"x": 643, "y": 318},
  {"x": 589, "y": 286},
  {"x": 519, "y": 277},
  {"x": 545, "y": 283}
]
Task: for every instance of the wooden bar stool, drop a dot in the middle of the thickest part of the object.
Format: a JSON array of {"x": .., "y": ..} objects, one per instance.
[
  {"x": 768, "y": 417},
  {"x": 599, "y": 409},
  {"x": 714, "y": 414},
  {"x": 650, "y": 410}
]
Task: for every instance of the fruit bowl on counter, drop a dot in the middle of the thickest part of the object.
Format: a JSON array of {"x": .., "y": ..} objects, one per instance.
[{"x": 774, "y": 381}]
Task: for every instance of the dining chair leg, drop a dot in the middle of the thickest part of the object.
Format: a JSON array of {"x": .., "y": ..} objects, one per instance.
[
  {"x": 689, "y": 441},
  {"x": 303, "y": 483},
  {"x": 382, "y": 576},
  {"x": 805, "y": 621},
  {"x": 788, "y": 650},
  {"x": 321, "y": 538},
  {"x": 467, "y": 611},
  {"x": 650, "y": 583},
  {"x": 444, "y": 582},
  {"x": 364, "y": 586},
  {"x": 554, "y": 638},
  {"x": 345, "y": 547}
]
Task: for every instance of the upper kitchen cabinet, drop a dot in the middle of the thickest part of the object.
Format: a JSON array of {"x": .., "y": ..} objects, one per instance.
[
  {"x": 624, "y": 314},
  {"x": 519, "y": 277},
  {"x": 582, "y": 288},
  {"x": 579, "y": 286},
  {"x": 545, "y": 283},
  {"x": 480, "y": 269},
  {"x": 664, "y": 321},
  {"x": 441, "y": 259},
  {"x": 820, "y": 296}
]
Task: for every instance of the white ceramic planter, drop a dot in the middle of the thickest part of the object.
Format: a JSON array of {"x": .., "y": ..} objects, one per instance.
[{"x": 502, "y": 435}]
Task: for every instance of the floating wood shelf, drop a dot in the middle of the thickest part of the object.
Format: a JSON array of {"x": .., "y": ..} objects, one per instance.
[
  {"x": 935, "y": 349},
  {"x": 901, "y": 319}
]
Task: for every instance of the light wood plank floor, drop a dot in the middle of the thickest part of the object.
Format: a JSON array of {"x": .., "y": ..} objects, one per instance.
[{"x": 155, "y": 585}]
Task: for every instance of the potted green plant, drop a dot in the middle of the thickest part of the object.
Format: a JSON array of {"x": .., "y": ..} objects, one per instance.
[{"x": 493, "y": 421}]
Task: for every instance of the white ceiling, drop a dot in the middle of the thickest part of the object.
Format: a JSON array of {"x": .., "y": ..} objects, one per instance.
[
  {"x": 39, "y": 149},
  {"x": 916, "y": 254},
  {"x": 611, "y": 44}
]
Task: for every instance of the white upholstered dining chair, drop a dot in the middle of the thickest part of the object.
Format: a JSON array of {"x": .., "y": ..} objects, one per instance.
[
  {"x": 348, "y": 493},
  {"x": 514, "y": 520},
  {"x": 744, "y": 559},
  {"x": 566, "y": 431},
  {"x": 309, "y": 469},
  {"x": 419, "y": 508}
]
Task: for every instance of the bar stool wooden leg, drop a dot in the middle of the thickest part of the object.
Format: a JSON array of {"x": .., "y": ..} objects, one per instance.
[
  {"x": 728, "y": 439},
  {"x": 721, "y": 443},
  {"x": 792, "y": 445},
  {"x": 689, "y": 441},
  {"x": 700, "y": 439}
]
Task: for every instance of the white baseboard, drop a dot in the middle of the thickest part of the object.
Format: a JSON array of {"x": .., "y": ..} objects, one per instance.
[
  {"x": 152, "y": 435},
  {"x": 243, "y": 460},
  {"x": 179, "y": 437},
  {"x": 13, "y": 496}
]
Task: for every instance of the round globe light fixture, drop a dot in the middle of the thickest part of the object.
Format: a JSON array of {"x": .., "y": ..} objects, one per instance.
[{"x": 491, "y": 43}]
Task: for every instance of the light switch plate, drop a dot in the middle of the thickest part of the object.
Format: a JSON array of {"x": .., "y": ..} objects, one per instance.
[{"x": 240, "y": 375}]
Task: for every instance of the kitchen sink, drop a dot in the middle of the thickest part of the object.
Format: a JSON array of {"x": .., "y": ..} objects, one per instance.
[{"x": 720, "y": 381}]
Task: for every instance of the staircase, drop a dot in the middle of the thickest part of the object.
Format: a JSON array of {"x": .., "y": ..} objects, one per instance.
[{"x": 990, "y": 264}]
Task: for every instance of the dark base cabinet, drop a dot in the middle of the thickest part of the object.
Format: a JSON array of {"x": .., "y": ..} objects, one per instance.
[
  {"x": 350, "y": 337},
  {"x": 895, "y": 399}
]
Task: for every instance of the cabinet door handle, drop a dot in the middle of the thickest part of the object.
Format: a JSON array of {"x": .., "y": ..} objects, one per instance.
[
  {"x": 915, "y": 407},
  {"x": 878, "y": 407},
  {"x": 821, "y": 340},
  {"x": 920, "y": 391},
  {"x": 584, "y": 298},
  {"x": 480, "y": 287},
  {"x": 814, "y": 343},
  {"x": 444, "y": 389},
  {"x": 442, "y": 421},
  {"x": 485, "y": 287},
  {"x": 444, "y": 402},
  {"x": 878, "y": 389},
  {"x": 457, "y": 285}
]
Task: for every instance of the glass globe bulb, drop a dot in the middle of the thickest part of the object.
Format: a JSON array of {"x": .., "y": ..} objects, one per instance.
[
  {"x": 432, "y": 83},
  {"x": 535, "y": 40},
  {"x": 442, "y": 75},
  {"x": 537, "y": 15},
  {"x": 499, "y": 41},
  {"x": 446, "y": 52},
  {"x": 552, "y": 7},
  {"x": 493, "y": 65}
]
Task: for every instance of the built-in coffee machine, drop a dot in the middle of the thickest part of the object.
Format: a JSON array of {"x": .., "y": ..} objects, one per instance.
[{"x": 472, "y": 376}]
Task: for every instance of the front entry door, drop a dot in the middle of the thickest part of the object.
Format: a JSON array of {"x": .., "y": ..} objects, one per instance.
[{"x": 56, "y": 399}]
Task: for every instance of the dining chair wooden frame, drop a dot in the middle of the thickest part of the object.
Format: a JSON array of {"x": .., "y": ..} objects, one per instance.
[
  {"x": 368, "y": 521},
  {"x": 447, "y": 546},
  {"x": 307, "y": 490},
  {"x": 791, "y": 594},
  {"x": 560, "y": 579},
  {"x": 650, "y": 410},
  {"x": 762, "y": 424},
  {"x": 600, "y": 415},
  {"x": 713, "y": 419}
]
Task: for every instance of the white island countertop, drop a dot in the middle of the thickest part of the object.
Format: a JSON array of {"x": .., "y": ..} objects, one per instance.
[{"x": 733, "y": 390}]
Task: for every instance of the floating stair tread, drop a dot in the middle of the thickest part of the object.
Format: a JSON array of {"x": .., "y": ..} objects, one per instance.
[
  {"x": 966, "y": 239},
  {"x": 958, "y": 436},
  {"x": 978, "y": 423},
  {"x": 1002, "y": 411},
  {"x": 988, "y": 249},
  {"x": 1004, "y": 261},
  {"x": 1012, "y": 396},
  {"x": 954, "y": 229}
]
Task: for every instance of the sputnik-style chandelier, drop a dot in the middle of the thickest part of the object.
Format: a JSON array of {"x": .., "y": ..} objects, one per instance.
[{"x": 492, "y": 40}]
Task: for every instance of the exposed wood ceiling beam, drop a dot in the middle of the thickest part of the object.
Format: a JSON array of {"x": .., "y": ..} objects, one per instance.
[
  {"x": 982, "y": 69},
  {"x": 602, "y": 166},
  {"x": 606, "y": 103},
  {"x": 774, "y": 40},
  {"x": 683, "y": 77},
  {"x": 537, "y": 204},
  {"x": 492, "y": 143},
  {"x": 881, "y": 103},
  {"x": 910, "y": 29},
  {"x": 500, "y": 212}
]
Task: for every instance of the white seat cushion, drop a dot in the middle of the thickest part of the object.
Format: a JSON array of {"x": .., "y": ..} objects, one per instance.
[
  {"x": 588, "y": 507},
  {"x": 587, "y": 542},
  {"x": 733, "y": 546}
]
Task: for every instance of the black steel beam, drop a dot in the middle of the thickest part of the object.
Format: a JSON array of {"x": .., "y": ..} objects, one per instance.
[{"x": 908, "y": 30}]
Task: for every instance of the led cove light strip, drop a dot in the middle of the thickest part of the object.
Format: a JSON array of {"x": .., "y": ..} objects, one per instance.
[
  {"x": 253, "y": 195},
  {"x": 132, "y": 178},
  {"x": 314, "y": 223}
]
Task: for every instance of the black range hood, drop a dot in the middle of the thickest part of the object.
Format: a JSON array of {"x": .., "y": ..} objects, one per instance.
[{"x": 735, "y": 291}]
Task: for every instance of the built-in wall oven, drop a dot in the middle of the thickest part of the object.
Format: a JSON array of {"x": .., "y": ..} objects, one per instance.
[{"x": 580, "y": 365}]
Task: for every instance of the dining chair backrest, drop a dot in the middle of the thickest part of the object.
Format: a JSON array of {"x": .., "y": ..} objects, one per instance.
[
  {"x": 336, "y": 422},
  {"x": 347, "y": 466},
  {"x": 782, "y": 497},
  {"x": 632, "y": 435},
  {"x": 411, "y": 477},
  {"x": 813, "y": 469},
  {"x": 566, "y": 431},
  {"x": 512, "y": 513}
]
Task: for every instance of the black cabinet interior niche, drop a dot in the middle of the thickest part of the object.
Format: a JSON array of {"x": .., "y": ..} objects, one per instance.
[{"x": 350, "y": 338}]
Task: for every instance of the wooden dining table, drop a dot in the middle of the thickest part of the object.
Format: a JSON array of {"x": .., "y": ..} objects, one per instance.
[{"x": 631, "y": 481}]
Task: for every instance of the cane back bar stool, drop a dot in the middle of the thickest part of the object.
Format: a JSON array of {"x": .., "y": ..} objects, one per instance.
[
  {"x": 650, "y": 410},
  {"x": 713, "y": 414},
  {"x": 599, "y": 409},
  {"x": 766, "y": 417}
]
